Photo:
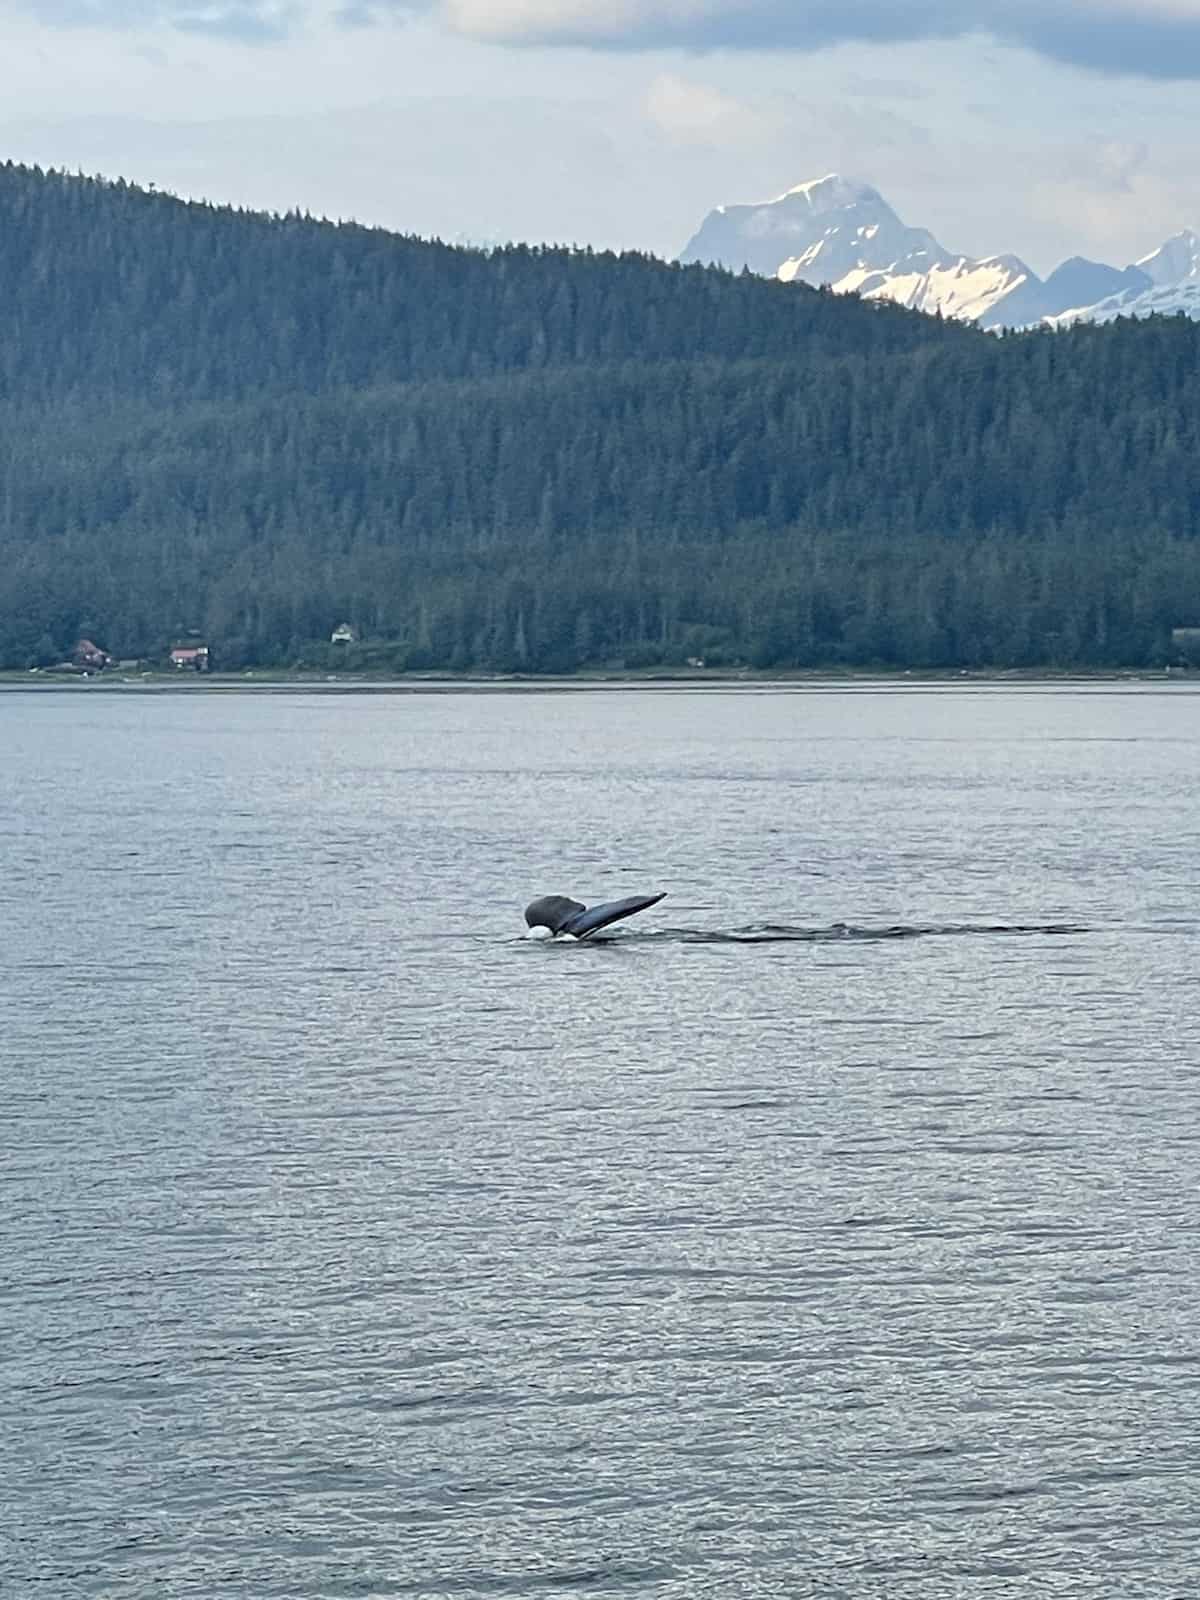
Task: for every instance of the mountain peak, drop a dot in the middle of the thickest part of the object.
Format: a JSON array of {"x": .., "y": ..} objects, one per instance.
[
  {"x": 1174, "y": 261},
  {"x": 831, "y": 193},
  {"x": 839, "y": 232},
  {"x": 817, "y": 232}
]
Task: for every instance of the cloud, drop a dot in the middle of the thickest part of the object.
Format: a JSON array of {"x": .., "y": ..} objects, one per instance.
[
  {"x": 1152, "y": 38},
  {"x": 1147, "y": 38},
  {"x": 695, "y": 113},
  {"x": 1112, "y": 200},
  {"x": 693, "y": 24},
  {"x": 255, "y": 21},
  {"x": 885, "y": 88},
  {"x": 258, "y": 24}
]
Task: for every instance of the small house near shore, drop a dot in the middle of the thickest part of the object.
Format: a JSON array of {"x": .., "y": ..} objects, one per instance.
[
  {"x": 343, "y": 634},
  {"x": 189, "y": 657}
]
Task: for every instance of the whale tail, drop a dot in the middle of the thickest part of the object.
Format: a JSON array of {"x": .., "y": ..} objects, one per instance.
[{"x": 562, "y": 915}]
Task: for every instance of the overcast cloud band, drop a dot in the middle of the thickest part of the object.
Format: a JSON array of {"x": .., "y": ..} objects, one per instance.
[{"x": 1150, "y": 38}]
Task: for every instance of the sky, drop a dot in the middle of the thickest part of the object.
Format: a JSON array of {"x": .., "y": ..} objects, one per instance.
[{"x": 1044, "y": 127}]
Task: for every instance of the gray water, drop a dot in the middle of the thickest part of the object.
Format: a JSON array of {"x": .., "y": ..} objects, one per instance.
[{"x": 351, "y": 1245}]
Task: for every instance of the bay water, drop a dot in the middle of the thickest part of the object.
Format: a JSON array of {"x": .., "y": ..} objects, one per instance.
[{"x": 830, "y": 1229}]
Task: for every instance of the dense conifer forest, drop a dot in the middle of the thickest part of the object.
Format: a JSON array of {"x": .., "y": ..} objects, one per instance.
[{"x": 254, "y": 429}]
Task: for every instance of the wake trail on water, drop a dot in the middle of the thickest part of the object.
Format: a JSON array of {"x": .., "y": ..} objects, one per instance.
[{"x": 787, "y": 933}]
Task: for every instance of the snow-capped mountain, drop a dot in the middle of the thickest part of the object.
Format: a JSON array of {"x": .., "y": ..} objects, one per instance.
[
  {"x": 837, "y": 232},
  {"x": 1078, "y": 282},
  {"x": 818, "y": 231},
  {"x": 842, "y": 234},
  {"x": 1167, "y": 282},
  {"x": 993, "y": 291},
  {"x": 1174, "y": 261}
]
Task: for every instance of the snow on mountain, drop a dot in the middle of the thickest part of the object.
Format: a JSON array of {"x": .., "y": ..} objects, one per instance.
[
  {"x": 836, "y": 232},
  {"x": 821, "y": 230},
  {"x": 1164, "y": 283},
  {"x": 996, "y": 291},
  {"x": 1174, "y": 261},
  {"x": 1167, "y": 301}
]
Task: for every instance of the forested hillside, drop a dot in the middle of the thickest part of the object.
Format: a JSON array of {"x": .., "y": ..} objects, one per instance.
[{"x": 257, "y": 428}]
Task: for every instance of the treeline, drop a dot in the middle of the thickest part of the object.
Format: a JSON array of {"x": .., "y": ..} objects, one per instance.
[
  {"x": 539, "y": 460},
  {"x": 114, "y": 294}
]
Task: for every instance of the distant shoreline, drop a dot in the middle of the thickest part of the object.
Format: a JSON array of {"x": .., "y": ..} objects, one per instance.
[{"x": 465, "y": 683}]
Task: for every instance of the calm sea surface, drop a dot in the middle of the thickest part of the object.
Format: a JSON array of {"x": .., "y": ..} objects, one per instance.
[{"x": 352, "y": 1246}]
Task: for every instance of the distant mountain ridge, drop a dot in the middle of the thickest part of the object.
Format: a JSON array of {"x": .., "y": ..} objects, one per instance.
[
  {"x": 1164, "y": 283},
  {"x": 838, "y": 233}
]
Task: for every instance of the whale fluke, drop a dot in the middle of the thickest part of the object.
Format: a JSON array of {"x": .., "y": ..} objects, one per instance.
[{"x": 562, "y": 915}]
